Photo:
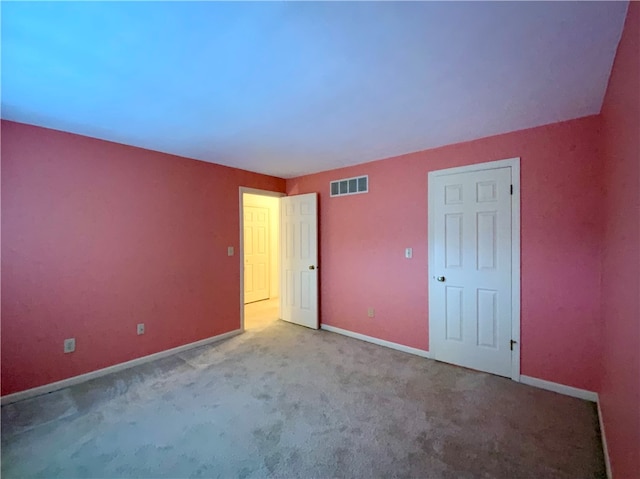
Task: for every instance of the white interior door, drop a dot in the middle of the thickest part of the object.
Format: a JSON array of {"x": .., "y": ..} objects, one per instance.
[
  {"x": 256, "y": 253},
  {"x": 299, "y": 259},
  {"x": 471, "y": 269}
]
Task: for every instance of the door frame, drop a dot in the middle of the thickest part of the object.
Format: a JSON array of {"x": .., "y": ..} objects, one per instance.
[
  {"x": 254, "y": 191},
  {"x": 514, "y": 164}
]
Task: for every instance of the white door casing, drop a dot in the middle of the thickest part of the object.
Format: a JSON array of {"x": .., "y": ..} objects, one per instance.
[
  {"x": 256, "y": 253},
  {"x": 299, "y": 260},
  {"x": 474, "y": 267}
]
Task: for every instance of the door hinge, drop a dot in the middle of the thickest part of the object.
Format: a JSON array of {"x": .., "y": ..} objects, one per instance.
[
  {"x": 511, "y": 189},
  {"x": 511, "y": 343}
]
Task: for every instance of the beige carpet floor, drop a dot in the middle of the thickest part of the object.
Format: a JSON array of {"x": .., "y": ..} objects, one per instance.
[{"x": 289, "y": 402}]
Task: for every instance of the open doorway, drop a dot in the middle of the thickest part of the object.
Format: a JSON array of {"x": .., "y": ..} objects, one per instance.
[{"x": 260, "y": 250}]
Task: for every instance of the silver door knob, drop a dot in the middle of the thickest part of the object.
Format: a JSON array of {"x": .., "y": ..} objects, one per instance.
[{"x": 440, "y": 278}]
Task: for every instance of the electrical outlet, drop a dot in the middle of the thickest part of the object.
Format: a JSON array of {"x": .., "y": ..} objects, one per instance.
[
  {"x": 69, "y": 345},
  {"x": 371, "y": 312},
  {"x": 140, "y": 329}
]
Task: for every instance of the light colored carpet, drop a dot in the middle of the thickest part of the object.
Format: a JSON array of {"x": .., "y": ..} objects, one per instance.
[{"x": 285, "y": 401}]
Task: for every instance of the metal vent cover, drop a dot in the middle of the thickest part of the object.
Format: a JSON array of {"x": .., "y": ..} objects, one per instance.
[{"x": 350, "y": 186}]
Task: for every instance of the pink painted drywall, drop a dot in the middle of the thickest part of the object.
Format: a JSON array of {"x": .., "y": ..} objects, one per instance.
[
  {"x": 97, "y": 237},
  {"x": 363, "y": 237},
  {"x": 620, "y": 392}
]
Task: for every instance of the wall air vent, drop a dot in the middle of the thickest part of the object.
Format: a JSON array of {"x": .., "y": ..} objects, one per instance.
[{"x": 350, "y": 186}]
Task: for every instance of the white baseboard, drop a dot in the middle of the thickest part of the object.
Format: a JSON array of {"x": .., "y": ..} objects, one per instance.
[
  {"x": 379, "y": 342},
  {"x": 47, "y": 388},
  {"x": 560, "y": 388},
  {"x": 605, "y": 448}
]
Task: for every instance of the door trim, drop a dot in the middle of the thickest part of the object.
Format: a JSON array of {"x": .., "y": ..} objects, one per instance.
[
  {"x": 241, "y": 191},
  {"x": 514, "y": 164}
]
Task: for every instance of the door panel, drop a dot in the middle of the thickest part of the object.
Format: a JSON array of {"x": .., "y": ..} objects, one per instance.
[
  {"x": 256, "y": 253},
  {"x": 471, "y": 265},
  {"x": 453, "y": 313},
  {"x": 299, "y": 260}
]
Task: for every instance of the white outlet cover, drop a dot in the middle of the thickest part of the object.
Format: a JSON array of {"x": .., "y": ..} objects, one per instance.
[{"x": 69, "y": 345}]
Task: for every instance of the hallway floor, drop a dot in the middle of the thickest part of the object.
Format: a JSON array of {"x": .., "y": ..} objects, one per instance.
[{"x": 260, "y": 314}]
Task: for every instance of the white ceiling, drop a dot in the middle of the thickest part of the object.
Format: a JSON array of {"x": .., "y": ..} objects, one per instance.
[{"x": 293, "y": 88}]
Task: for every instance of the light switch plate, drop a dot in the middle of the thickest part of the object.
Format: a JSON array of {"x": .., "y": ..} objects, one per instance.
[
  {"x": 230, "y": 251},
  {"x": 408, "y": 253}
]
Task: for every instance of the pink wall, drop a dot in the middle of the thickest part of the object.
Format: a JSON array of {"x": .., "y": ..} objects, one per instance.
[
  {"x": 98, "y": 236},
  {"x": 620, "y": 393},
  {"x": 363, "y": 239}
]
